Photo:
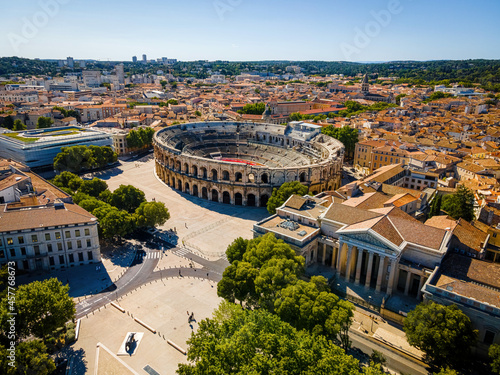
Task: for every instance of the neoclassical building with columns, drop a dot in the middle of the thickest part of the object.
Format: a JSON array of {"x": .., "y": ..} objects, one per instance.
[{"x": 383, "y": 249}]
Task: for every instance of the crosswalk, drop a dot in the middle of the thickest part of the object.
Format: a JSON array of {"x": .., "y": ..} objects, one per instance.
[
  {"x": 181, "y": 252},
  {"x": 149, "y": 255}
]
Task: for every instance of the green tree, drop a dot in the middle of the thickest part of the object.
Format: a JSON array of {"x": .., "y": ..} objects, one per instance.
[
  {"x": 378, "y": 357},
  {"x": 127, "y": 197},
  {"x": 42, "y": 306},
  {"x": 460, "y": 204},
  {"x": 285, "y": 191},
  {"x": 8, "y": 123},
  {"x": 93, "y": 187},
  {"x": 436, "y": 206},
  {"x": 18, "y": 126},
  {"x": 398, "y": 98},
  {"x": 143, "y": 137},
  {"x": 253, "y": 109},
  {"x": 67, "y": 180},
  {"x": 296, "y": 116},
  {"x": 163, "y": 83},
  {"x": 494, "y": 353},
  {"x": 77, "y": 158},
  {"x": 114, "y": 222},
  {"x": 44, "y": 122},
  {"x": 443, "y": 333},
  {"x": 197, "y": 113},
  {"x": 238, "y": 341},
  {"x": 311, "y": 306},
  {"x": 151, "y": 214},
  {"x": 236, "y": 250},
  {"x": 447, "y": 371},
  {"x": 347, "y": 135},
  {"x": 31, "y": 359}
]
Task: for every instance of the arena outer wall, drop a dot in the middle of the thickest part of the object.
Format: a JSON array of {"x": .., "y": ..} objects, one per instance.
[{"x": 180, "y": 164}]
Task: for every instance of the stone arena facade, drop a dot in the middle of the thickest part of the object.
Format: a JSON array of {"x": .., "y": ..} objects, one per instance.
[{"x": 241, "y": 163}]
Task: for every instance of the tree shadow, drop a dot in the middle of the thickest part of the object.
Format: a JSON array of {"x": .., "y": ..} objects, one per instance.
[{"x": 77, "y": 363}]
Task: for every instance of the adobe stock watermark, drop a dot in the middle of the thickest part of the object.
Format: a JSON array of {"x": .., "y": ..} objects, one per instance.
[
  {"x": 32, "y": 25},
  {"x": 363, "y": 36},
  {"x": 223, "y": 6}
]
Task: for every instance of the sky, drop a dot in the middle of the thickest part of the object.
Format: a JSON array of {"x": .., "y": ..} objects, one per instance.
[{"x": 252, "y": 30}]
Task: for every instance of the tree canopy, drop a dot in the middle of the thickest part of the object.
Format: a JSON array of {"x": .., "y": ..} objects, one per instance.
[
  {"x": 285, "y": 191},
  {"x": 127, "y": 197},
  {"x": 31, "y": 359},
  {"x": 142, "y": 137},
  {"x": 347, "y": 135},
  {"x": 151, "y": 214},
  {"x": 238, "y": 341},
  {"x": 494, "y": 353},
  {"x": 44, "y": 122},
  {"x": 77, "y": 158},
  {"x": 42, "y": 306},
  {"x": 253, "y": 109},
  {"x": 18, "y": 126},
  {"x": 460, "y": 204},
  {"x": 443, "y": 333}
]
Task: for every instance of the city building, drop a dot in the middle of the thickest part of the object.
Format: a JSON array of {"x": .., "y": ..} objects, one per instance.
[
  {"x": 134, "y": 59},
  {"x": 37, "y": 148},
  {"x": 91, "y": 78},
  {"x": 40, "y": 226},
  {"x": 120, "y": 73},
  {"x": 70, "y": 62},
  {"x": 144, "y": 58}
]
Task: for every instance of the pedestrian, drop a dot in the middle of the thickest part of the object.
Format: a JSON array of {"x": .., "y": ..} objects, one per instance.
[
  {"x": 180, "y": 273},
  {"x": 187, "y": 312}
]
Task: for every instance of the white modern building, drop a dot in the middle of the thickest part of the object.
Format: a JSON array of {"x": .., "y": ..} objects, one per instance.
[{"x": 37, "y": 148}]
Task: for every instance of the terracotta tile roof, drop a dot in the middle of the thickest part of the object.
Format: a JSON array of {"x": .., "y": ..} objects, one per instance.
[
  {"x": 469, "y": 235},
  {"x": 442, "y": 222},
  {"x": 42, "y": 216},
  {"x": 295, "y": 201},
  {"x": 470, "y": 269},
  {"x": 348, "y": 215}
]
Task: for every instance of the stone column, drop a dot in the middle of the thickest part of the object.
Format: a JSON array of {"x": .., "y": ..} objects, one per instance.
[
  {"x": 358, "y": 266},
  {"x": 339, "y": 257},
  {"x": 407, "y": 285},
  {"x": 335, "y": 254},
  {"x": 381, "y": 268},
  {"x": 420, "y": 285},
  {"x": 390, "y": 284},
  {"x": 348, "y": 265},
  {"x": 369, "y": 269},
  {"x": 324, "y": 255}
]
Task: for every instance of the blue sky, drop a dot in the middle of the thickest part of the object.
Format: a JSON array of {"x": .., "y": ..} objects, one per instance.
[{"x": 356, "y": 30}]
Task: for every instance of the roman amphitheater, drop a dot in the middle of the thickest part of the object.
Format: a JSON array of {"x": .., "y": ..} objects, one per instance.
[{"x": 241, "y": 163}]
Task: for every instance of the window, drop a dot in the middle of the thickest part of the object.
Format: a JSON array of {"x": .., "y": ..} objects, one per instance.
[
  {"x": 69, "y": 245},
  {"x": 10, "y": 241},
  {"x": 77, "y": 233},
  {"x": 47, "y": 236},
  {"x": 59, "y": 246},
  {"x": 79, "y": 244},
  {"x": 376, "y": 157},
  {"x": 61, "y": 259},
  {"x": 80, "y": 257},
  {"x": 67, "y": 234},
  {"x": 49, "y": 247},
  {"x": 89, "y": 244},
  {"x": 12, "y": 252},
  {"x": 90, "y": 255},
  {"x": 37, "y": 250},
  {"x": 87, "y": 231},
  {"x": 34, "y": 238},
  {"x": 20, "y": 239},
  {"x": 58, "y": 235},
  {"x": 51, "y": 261},
  {"x": 71, "y": 258}
]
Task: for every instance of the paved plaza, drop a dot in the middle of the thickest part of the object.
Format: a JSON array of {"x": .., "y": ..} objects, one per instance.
[
  {"x": 202, "y": 225},
  {"x": 163, "y": 305}
]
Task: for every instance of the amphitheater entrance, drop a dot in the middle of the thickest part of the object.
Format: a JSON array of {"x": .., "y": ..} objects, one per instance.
[
  {"x": 226, "y": 198},
  {"x": 186, "y": 188},
  {"x": 251, "y": 200},
  {"x": 263, "y": 200},
  {"x": 238, "y": 199},
  {"x": 195, "y": 190},
  {"x": 215, "y": 195},
  {"x": 204, "y": 193},
  {"x": 179, "y": 185}
]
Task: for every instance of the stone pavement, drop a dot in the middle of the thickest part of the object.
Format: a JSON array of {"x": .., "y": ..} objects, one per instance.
[{"x": 202, "y": 225}]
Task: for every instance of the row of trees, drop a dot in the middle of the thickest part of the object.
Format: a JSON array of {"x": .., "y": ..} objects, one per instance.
[
  {"x": 42, "y": 308},
  {"x": 253, "y": 109},
  {"x": 68, "y": 112},
  {"x": 18, "y": 125},
  {"x": 119, "y": 212},
  {"x": 142, "y": 137},
  {"x": 77, "y": 158}
]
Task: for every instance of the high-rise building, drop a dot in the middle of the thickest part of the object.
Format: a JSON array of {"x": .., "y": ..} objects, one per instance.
[
  {"x": 120, "y": 73},
  {"x": 70, "y": 62},
  {"x": 134, "y": 59},
  {"x": 82, "y": 63},
  {"x": 144, "y": 58}
]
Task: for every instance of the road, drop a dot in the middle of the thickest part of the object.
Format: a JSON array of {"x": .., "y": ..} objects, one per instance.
[
  {"x": 142, "y": 271},
  {"x": 396, "y": 361}
]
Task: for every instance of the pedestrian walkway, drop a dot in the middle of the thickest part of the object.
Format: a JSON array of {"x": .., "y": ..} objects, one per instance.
[
  {"x": 149, "y": 255},
  {"x": 182, "y": 252}
]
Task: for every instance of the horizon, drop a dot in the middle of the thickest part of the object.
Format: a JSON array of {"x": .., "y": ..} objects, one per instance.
[{"x": 234, "y": 30}]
